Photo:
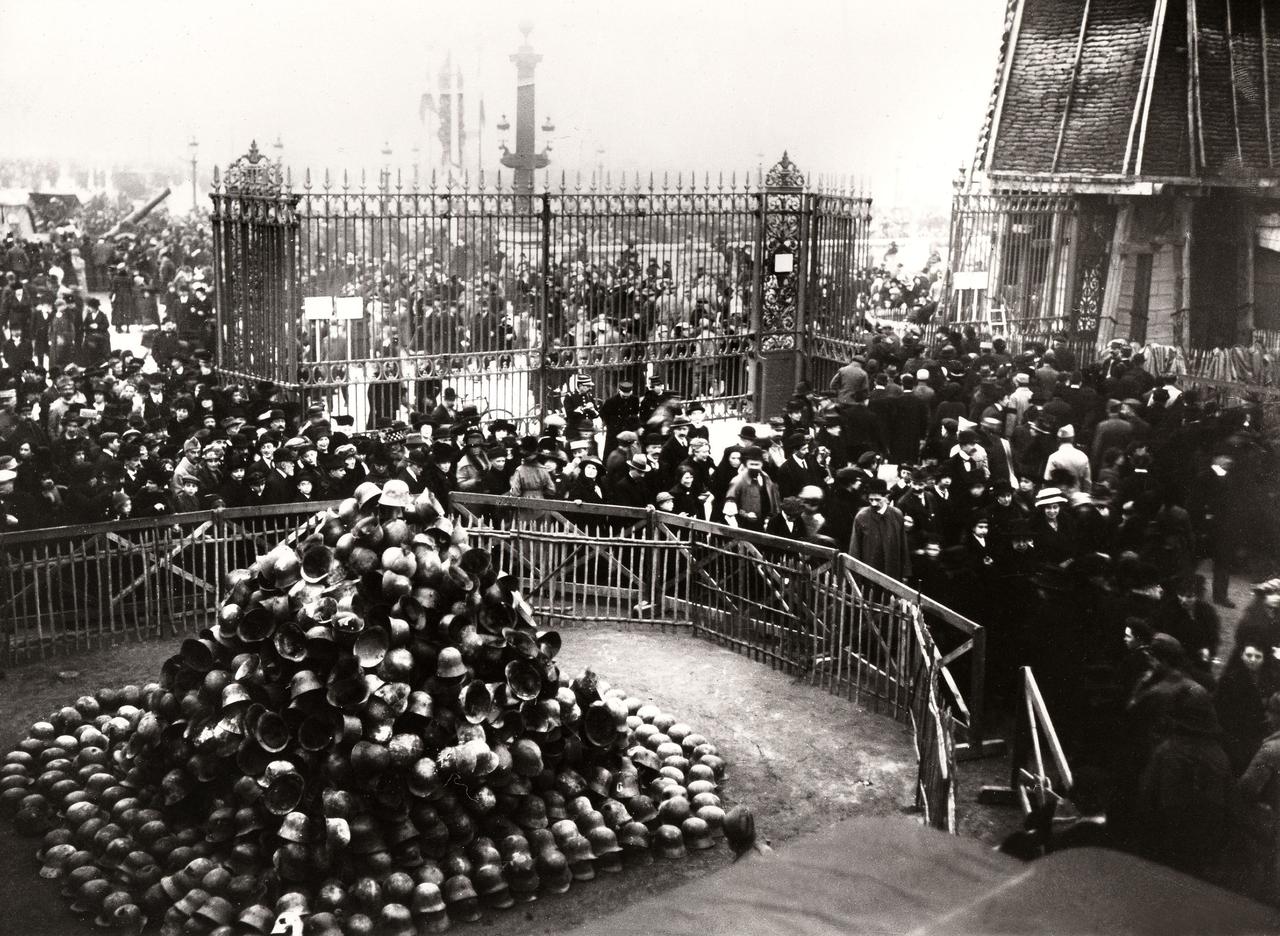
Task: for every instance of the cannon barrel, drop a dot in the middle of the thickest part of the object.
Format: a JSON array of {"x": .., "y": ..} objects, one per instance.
[{"x": 139, "y": 213}]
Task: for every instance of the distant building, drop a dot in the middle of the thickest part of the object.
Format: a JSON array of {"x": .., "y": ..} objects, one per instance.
[{"x": 1127, "y": 178}]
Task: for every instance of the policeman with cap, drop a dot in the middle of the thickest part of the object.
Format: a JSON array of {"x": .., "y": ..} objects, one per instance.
[
  {"x": 582, "y": 410},
  {"x": 620, "y": 413},
  {"x": 656, "y": 396}
]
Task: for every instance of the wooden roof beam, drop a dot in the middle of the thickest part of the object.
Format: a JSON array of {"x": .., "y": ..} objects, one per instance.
[
  {"x": 1195, "y": 115},
  {"x": 1231, "y": 70},
  {"x": 1146, "y": 89},
  {"x": 1266, "y": 87},
  {"x": 1071, "y": 86},
  {"x": 1004, "y": 86}
]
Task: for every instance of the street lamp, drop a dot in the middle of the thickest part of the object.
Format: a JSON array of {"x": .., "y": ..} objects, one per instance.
[{"x": 194, "y": 147}]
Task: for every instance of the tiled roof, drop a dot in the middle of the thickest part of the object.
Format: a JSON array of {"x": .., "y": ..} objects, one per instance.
[
  {"x": 988, "y": 119},
  {"x": 1106, "y": 86},
  {"x": 1167, "y": 146},
  {"x": 1037, "y": 89},
  {"x": 1070, "y": 99}
]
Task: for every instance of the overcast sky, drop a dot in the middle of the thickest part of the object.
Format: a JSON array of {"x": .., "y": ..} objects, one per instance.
[{"x": 892, "y": 91}]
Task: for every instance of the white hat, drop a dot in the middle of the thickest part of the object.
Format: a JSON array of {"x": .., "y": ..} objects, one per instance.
[
  {"x": 1049, "y": 495},
  {"x": 1067, "y": 432},
  {"x": 922, "y": 374}
]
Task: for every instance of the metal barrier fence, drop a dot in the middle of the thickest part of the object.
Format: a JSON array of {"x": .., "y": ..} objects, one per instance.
[
  {"x": 374, "y": 299},
  {"x": 74, "y": 588},
  {"x": 1009, "y": 254},
  {"x": 806, "y": 610}
]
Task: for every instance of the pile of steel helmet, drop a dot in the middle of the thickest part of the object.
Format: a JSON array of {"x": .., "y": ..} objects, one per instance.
[{"x": 374, "y": 734}]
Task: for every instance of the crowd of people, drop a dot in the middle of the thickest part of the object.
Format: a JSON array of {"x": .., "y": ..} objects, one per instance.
[
  {"x": 1066, "y": 508},
  {"x": 589, "y": 307}
]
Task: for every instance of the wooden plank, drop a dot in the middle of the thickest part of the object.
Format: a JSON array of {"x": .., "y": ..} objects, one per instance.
[
  {"x": 1051, "y": 735},
  {"x": 1266, "y": 85},
  {"x": 1071, "y": 85},
  {"x": 1150, "y": 73},
  {"x": 166, "y": 562},
  {"x": 1235, "y": 91},
  {"x": 1004, "y": 86}
]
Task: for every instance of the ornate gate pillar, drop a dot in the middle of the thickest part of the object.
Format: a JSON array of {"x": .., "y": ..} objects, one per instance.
[
  {"x": 255, "y": 254},
  {"x": 785, "y": 213}
]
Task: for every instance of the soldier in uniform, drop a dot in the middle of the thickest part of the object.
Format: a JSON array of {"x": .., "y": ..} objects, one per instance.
[
  {"x": 656, "y": 396},
  {"x": 582, "y": 411},
  {"x": 620, "y": 413}
]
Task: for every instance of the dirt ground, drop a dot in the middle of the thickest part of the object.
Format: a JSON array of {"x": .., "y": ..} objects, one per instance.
[{"x": 799, "y": 757}]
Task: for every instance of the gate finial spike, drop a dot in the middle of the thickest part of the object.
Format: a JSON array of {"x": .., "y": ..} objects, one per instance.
[
  {"x": 306, "y": 179},
  {"x": 217, "y": 176},
  {"x": 497, "y": 182},
  {"x": 364, "y": 180},
  {"x": 651, "y": 182},
  {"x": 346, "y": 181},
  {"x": 399, "y": 180},
  {"x": 666, "y": 183},
  {"x": 328, "y": 182},
  {"x": 481, "y": 181},
  {"x": 608, "y": 179},
  {"x": 577, "y": 180},
  {"x": 433, "y": 179},
  {"x": 288, "y": 178}
]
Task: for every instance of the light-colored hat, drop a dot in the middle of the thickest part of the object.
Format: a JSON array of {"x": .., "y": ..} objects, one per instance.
[
  {"x": 1067, "y": 432},
  {"x": 1049, "y": 495}
]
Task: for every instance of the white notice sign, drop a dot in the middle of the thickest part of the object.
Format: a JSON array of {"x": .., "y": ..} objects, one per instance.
[
  {"x": 316, "y": 308},
  {"x": 349, "y": 307}
]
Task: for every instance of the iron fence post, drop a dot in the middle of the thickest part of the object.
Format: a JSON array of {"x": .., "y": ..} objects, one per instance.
[
  {"x": 220, "y": 292},
  {"x": 977, "y": 689},
  {"x": 219, "y": 564},
  {"x": 545, "y": 292},
  {"x": 806, "y": 262},
  {"x": 755, "y": 384}
]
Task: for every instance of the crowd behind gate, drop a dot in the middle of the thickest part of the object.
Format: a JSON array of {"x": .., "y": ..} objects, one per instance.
[{"x": 1091, "y": 518}]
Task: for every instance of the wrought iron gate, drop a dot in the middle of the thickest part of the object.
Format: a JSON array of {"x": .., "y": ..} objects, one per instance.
[{"x": 374, "y": 299}]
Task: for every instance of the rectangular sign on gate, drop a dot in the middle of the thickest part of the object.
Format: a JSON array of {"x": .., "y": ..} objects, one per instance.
[
  {"x": 970, "y": 279},
  {"x": 317, "y": 308},
  {"x": 348, "y": 307},
  {"x": 324, "y": 308}
]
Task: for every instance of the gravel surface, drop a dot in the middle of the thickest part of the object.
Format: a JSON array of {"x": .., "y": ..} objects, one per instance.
[{"x": 801, "y": 758}]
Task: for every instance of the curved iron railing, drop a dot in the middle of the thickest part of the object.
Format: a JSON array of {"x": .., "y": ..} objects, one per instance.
[{"x": 813, "y": 612}]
